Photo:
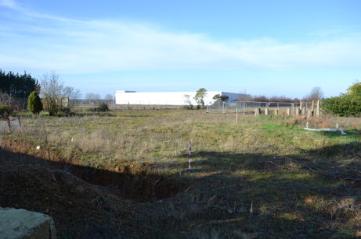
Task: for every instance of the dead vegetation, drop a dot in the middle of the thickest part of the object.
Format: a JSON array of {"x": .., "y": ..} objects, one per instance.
[{"x": 260, "y": 178}]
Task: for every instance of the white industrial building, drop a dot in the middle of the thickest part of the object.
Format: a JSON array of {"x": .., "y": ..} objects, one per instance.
[{"x": 168, "y": 98}]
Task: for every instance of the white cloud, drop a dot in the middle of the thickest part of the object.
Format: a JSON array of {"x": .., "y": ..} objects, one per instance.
[
  {"x": 44, "y": 42},
  {"x": 8, "y": 3}
]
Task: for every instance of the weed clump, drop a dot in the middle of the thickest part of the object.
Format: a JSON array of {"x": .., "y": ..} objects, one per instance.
[{"x": 103, "y": 107}]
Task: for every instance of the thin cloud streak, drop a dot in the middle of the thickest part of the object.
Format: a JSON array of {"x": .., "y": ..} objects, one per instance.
[
  {"x": 44, "y": 42},
  {"x": 8, "y": 4}
]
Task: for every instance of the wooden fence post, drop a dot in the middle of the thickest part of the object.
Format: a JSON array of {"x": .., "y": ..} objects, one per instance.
[{"x": 318, "y": 108}]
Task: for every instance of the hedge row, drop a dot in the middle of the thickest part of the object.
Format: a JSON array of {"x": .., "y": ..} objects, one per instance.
[{"x": 345, "y": 105}]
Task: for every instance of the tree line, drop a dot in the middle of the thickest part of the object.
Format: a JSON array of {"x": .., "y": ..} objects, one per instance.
[
  {"x": 15, "y": 88},
  {"x": 20, "y": 91}
]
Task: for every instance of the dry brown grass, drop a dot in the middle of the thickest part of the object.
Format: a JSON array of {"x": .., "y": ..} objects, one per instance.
[{"x": 300, "y": 184}]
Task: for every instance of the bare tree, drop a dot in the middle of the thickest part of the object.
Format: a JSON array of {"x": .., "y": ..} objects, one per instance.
[
  {"x": 109, "y": 98},
  {"x": 71, "y": 93},
  {"x": 53, "y": 93},
  {"x": 315, "y": 94},
  {"x": 51, "y": 86},
  {"x": 92, "y": 97}
]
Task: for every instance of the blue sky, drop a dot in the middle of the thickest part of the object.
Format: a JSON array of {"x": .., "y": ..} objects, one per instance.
[{"x": 259, "y": 47}]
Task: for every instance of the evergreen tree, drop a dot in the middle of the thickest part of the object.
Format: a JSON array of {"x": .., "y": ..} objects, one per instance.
[
  {"x": 34, "y": 103},
  {"x": 17, "y": 86}
]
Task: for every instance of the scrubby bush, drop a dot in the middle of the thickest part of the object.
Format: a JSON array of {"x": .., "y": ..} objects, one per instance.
[
  {"x": 103, "y": 107},
  {"x": 348, "y": 104},
  {"x": 5, "y": 111},
  {"x": 51, "y": 105},
  {"x": 34, "y": 103}
]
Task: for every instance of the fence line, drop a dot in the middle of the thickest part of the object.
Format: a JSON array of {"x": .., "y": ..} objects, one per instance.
[{"x": 309, "y": 109}]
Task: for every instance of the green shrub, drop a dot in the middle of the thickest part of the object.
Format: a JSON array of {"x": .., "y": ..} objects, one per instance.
[
  {"x": 34, "y": 103},
  {"x": 345, "y": 105}
]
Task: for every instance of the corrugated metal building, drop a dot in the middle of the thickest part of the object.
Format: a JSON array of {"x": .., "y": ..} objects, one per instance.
[{"x": 168, "y": 98}]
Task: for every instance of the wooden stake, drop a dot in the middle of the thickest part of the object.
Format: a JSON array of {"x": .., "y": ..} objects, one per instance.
[{"x": 318, "y": 109}]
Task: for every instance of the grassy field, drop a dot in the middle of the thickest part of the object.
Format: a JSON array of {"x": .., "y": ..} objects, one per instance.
[{"x": 260, "y": 177}]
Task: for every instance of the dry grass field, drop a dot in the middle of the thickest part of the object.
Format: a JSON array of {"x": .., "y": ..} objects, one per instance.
[{"x": 125, "y": 175}]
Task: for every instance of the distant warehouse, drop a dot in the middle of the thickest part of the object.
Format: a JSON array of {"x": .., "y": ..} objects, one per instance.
[{"x": 169, "y": 98}]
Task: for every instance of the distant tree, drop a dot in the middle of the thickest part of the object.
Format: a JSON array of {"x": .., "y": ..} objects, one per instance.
[
  {"x": 92, "y": 97},
  {"x": 109, "y": 98},
  {"x": 315, "y": 94},
  {"x": 35, "y": 105},
  {"x": 260, "y": 98},
  {"x": 199, "y": 97},
  {"x": 280, "y": 99},
  {"x": 222, "y": 98},
  {"x": 53, "y": 93},
  {"x": 71, "y": 93}
]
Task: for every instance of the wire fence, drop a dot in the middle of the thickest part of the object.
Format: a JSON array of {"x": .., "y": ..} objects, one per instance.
[{"x": 266, "y": 108}]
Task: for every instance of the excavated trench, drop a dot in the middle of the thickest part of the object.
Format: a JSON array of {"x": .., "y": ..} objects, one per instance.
[
  {"x": 134, "y": 182},
  {"x": 140, "y": 186}
]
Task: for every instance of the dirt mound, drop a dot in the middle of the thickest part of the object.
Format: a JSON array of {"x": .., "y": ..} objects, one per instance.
[
  {"x": 86, "y": 202},
  {"x": 80, "y": 210},
  {"x": 93, "y": 203}
]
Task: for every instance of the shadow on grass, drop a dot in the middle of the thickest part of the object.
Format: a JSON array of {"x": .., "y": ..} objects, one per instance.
[
  {"x": 334, "y": 159},
  {"x": 85, "y": 202},
  {"x": 228, "y": 195},
  {"x": 315, "y": 194}
]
